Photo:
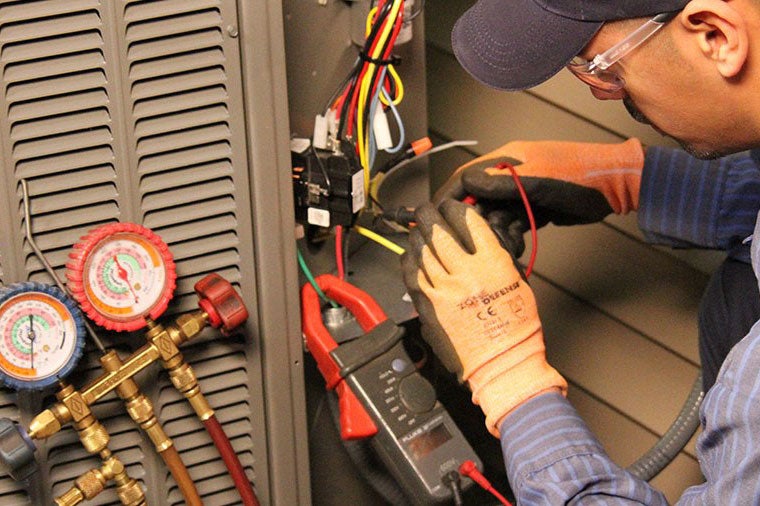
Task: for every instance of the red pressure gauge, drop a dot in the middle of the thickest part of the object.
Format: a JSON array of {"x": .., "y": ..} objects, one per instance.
[{"x": 121, "y": 274}]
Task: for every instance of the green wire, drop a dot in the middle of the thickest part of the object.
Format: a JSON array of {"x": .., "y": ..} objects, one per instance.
[{"x": 307, "y": 273}]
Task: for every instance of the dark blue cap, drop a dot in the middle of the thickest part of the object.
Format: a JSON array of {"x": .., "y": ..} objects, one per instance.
[{"x": 518, "y": 44}]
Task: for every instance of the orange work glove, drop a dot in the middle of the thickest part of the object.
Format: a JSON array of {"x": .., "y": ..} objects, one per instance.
[
  {"x": 477, "y": 312},
  {"x": 567, "y": 183}
]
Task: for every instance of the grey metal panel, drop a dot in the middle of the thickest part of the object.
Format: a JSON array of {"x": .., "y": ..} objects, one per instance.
[
  {"x": 266, "y": 106},
  {"x": 171, "y": 114}
]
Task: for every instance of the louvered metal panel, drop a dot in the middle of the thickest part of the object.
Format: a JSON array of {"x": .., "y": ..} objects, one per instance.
[{"x": 170, "y": 114}]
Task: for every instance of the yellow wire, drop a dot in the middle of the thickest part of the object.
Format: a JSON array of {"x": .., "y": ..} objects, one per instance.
[
  {"x": 364, "y": 92},
  {"x": 368, "y": 23},
  {"x": 380, "y": 239},
  {"x": 399, "y": 87}
]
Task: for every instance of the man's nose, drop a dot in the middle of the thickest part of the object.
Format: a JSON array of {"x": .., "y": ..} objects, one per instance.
[{"x": 608, "y": 95}]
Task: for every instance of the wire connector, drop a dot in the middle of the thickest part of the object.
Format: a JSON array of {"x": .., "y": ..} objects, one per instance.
[{"x": 471, "y": 471}]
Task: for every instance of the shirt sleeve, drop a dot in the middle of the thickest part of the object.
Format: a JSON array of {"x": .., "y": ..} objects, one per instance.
[
  {"x": 552, "y": 457},
  {"x": 687, "y": 202}
]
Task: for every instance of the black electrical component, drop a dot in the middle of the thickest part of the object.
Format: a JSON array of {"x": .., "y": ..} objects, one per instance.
[{"x": 328, "y": 186}]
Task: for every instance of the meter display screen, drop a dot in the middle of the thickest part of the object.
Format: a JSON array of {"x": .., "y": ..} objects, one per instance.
[{"x": 423, "y": 444}]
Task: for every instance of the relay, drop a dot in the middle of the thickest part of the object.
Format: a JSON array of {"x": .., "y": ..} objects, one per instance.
[{"x": 328, "y": 186}]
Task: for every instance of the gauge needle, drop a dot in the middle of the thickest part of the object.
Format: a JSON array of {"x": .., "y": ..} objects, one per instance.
[
  {"x": 32, "y": 337},
  {"x": 124, "y": 276}
]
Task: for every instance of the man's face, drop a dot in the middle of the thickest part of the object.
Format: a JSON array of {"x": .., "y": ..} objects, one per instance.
[{"x": 679, "y": 97}]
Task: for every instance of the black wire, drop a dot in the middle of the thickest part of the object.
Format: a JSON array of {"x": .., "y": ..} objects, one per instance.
[
  {"x": 347, "y": 101},
  {"x": 380, "y": 18},
  {"x": 452, "y": 479}
]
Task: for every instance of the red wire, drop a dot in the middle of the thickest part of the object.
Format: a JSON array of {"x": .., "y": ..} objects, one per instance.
[
  {"x": 365, "y": 66},
  {"x": 230, "y": 458},
  {"x": 469, "y": 199},
  {"x": 468, "y": 468},
  {"x": 529, "y": 211},
  {"x": 339, "y": 251}
]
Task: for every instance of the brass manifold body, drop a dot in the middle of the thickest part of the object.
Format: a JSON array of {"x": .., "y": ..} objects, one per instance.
[{"x": 74, "y": 406}]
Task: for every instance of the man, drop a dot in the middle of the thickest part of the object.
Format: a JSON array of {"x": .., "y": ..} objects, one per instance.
[{"x": 690, "y": 69}]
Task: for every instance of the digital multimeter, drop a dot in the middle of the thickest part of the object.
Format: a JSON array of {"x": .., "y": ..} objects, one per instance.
[
  {"x": 417, "y": 439},
  {"x": 383, "y": 397}
]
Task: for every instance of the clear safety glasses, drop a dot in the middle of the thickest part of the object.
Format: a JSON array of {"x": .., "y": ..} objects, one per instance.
[{"x": 596, "y": 72}]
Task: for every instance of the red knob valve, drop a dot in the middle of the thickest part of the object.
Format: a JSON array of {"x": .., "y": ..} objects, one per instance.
[{"x": 225, "y": 308}]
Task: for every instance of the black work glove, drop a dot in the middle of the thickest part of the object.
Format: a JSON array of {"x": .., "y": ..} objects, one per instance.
[{"x": 567, "y": 183}]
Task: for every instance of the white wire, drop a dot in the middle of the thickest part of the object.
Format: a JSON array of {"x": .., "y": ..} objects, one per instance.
[{"x": 437, "y": 149}]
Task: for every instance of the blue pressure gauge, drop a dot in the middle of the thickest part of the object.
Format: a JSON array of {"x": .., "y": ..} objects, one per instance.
[{"x": 41, "y": 335}]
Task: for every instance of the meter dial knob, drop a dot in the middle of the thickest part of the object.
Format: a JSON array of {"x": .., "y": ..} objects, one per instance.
[
  {"x": 41, "y": 335},
  {"x": 121, "y": 274}
]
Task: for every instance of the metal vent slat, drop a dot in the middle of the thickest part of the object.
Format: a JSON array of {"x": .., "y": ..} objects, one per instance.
[
  {"x": 212, "y": 262},
  {"x": 60, "y": 182},
  {"x": 160, "y": 219},
  {"x": 50, "y": 146},
  {"x": 24, "y": 10},
  {"x": 57, "y": 125},
  {"x": 99, "y": 156},
  {"x": 70, "y": 43},
  {"x": 180, "y": 121},
  {"x": 186, "y": 42},
  {"x": 48, "y": 24},
  {"x": 188, "y": 194},
  {"x": 188, "y": 231},
  {"x": 75, "y": 217},
  {"x": 149, "y": 9},
  {"x": 59, "y": 104},
  {"x": 170, "y": 26},
  {"x": 175, "y": 140},
  {"x": 57, "y": 202},
  {"x": 203, "y": 245},
  {"x": 53, "y": 66},
  {"x": 177, "y": 64},
  {"x": 172, "y": 92},
  {"x": 190, "y": 156},
  {"x": 188, "y": 175},
  {"x": 60, "y": 85}
]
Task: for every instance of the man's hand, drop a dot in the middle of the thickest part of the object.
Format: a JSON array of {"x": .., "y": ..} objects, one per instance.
[
  {"x": 477, "y": 312},
  {"x": 567, "y": 183}
]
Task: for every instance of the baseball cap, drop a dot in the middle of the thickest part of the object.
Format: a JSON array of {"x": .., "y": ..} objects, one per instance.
[{"x": 518, "y": 44}]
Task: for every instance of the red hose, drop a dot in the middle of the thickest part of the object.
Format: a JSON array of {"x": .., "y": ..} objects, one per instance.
[{"x": 230, "y": 458}]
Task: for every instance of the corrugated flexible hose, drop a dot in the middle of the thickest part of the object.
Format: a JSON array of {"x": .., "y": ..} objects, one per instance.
[{"x": 675, "y": 438}]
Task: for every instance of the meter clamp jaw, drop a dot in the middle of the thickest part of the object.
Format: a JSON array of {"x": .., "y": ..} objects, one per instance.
[{"x": 382, "y": 396}]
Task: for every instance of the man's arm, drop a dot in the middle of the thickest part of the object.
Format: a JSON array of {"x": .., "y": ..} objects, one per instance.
[
  {"x": 553, "y": 458},
  {"x": 687, "y": 202}
]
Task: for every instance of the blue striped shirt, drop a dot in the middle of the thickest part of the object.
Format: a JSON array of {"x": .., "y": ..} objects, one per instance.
[
  {"x": 687, "y": 202},
  {"x": 550, "y": 454}
]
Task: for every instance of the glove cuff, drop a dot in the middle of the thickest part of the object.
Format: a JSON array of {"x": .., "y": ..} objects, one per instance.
[
  {"x": 512, "y": 378},
  {"x": 618, "y": 175}
]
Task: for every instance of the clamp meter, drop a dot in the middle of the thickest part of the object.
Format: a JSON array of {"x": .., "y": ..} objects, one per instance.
[{"x": 383, "y": 396}]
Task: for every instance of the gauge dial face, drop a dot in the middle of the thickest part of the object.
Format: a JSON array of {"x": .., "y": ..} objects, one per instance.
[
  {"x": 39, "y": 337},
  {"x": 124, "y": 276}
]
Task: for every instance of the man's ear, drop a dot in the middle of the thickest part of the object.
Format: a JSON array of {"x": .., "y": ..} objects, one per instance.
[{"x": 721, "y": 33}]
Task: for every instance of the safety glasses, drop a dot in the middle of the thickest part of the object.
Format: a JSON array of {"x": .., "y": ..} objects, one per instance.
[{"x": 596, "y": 72}]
